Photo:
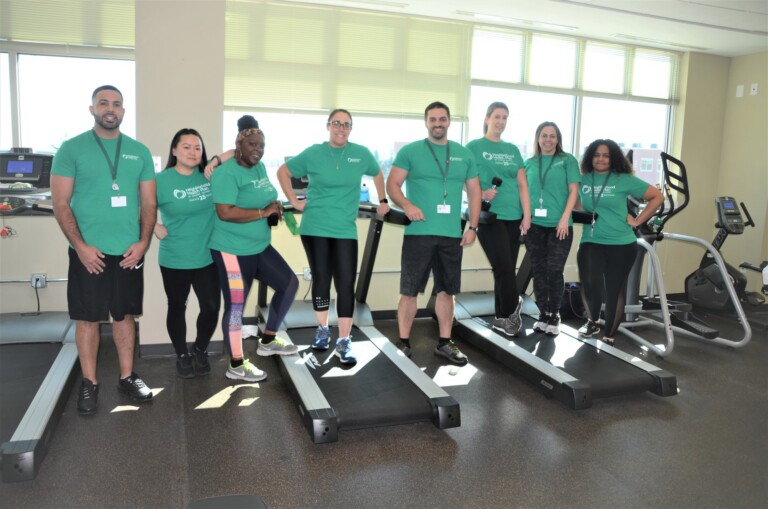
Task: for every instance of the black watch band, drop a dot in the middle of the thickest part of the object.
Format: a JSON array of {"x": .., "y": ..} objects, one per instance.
[
  {"x": 383, "y": 200},
  {"x": 473, "y": 228}
]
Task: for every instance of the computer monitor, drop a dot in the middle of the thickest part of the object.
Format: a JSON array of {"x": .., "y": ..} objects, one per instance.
[{"x": 30, "y": 168}]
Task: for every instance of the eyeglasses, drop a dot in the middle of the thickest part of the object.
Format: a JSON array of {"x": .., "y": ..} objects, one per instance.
[{"x": 346, "y": 125}]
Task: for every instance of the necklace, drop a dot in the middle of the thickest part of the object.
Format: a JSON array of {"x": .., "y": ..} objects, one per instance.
[{"x": 340, "y": 158}]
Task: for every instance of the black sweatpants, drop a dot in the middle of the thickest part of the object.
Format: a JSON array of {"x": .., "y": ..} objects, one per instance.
[{"x": 501, "y": 242}]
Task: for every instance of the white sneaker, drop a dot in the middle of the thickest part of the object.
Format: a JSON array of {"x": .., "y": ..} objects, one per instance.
[{"x": 247, "y": 372}]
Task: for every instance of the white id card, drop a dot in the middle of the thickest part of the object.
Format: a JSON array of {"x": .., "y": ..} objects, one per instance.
[
  {"x": 443, "y": 208},
  {"x": 119, "y": 201},
  {"x": 540, "y": 212}
]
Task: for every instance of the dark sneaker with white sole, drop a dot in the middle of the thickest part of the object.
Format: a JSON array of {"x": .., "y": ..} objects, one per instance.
[
  {"x": 451, "y": 352},
  {"x": 541, "y": 324},
  {"x": 553, "y": 325},
  {"x": 589, "y": 329},
  {"x": 135, "y": 388}
]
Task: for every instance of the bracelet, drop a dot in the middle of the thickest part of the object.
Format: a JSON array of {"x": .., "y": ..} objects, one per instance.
[
  {"x": 384, "y": 200},
  {"x": 217, "y": 158},
  {"x": 260, "y": 216}
]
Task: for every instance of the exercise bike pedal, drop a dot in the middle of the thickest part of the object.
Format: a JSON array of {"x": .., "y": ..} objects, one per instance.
[
  {"x": 694, "y": 325},
  {"x": 654, "y": 304}
]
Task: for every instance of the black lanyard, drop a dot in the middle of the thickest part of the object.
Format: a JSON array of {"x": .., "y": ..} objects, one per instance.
[
  {"x": 596, "y": 201},
  {"x": 112, "y": 165},
  {"x": 443, "y": 171},
  {"x": 542, "y": 178}
]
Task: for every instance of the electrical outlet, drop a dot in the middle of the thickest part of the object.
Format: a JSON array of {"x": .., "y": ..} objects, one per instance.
[
  {"x": 307, "y": 274},
  {"x": 38, "y": 280}
]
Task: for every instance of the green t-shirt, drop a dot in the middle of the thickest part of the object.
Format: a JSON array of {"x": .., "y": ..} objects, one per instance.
[
  {"x": 611, "y": 226},
  {"x": 187, "y": 212},
  {"x": 111, "y": 229},
  {"x": 333, "y": 195},
  {"x": 503, "y": 160},
  {"x": 556, "y": 172},
  {"x": 424, "y": 184},
  {"x": 246, "y": 188}
]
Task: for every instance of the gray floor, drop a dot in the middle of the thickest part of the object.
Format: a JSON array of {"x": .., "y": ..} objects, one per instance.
[{"x": 705, "y": 447}]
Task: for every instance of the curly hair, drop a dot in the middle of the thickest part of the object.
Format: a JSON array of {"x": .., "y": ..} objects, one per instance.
[{"x": 619, "y": 162}]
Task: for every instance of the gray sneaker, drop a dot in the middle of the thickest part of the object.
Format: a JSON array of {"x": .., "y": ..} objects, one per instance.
[
  {"x": 247, "y": 372},
  {"x": 507, "y": 326},
  {"x": 277, "y": 346},
  {"x": 451, "y": 352}
]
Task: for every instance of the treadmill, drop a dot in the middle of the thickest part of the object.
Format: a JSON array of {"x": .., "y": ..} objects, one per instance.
[
  {"x": 565, "y": 367},
  {"x": 37, "y": 370},
  {"x": 383, "y": 388}
]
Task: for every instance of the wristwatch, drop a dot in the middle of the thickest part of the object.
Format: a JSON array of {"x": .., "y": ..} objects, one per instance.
[{"x": 473, "y": 228}]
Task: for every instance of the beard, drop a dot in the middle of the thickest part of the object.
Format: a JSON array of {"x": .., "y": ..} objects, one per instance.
[{"x": 109, "y": 126}]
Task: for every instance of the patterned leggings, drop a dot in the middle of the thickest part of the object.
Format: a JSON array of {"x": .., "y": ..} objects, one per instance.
[
  {"x": 236, "y": 274},
  {"x": 548, "y": 257}
]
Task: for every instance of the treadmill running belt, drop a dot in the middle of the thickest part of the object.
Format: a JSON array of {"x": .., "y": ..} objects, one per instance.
[
  {"x": 23, "y": 367},
  {"x": 606, "y": 374},
  {"x": 370, "y": 393}
]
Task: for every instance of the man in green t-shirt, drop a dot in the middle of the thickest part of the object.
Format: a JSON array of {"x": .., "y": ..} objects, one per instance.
[
  {"x": 103, "y": 193},
  {"x": 435, "y": 172}
]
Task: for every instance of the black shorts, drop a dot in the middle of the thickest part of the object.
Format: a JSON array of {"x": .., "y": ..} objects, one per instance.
[
  {"x": 424, "y": 253},
  {"x": 116, "y": 291}
]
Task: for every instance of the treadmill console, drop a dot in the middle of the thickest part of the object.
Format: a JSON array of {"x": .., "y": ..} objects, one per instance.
[
  {"x": 21, "y": 168},
  {"x": 729, "y": 216}
]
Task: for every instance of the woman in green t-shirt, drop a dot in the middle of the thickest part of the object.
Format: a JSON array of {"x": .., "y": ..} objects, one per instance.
[
  {"x": 609, "y": 245},
  {"x": 505, "y": 189},
  {"x": 240, "y": 245},
  {"x": 328, "y": 227},
  {"x": 553, "y": 183},
  {"x": 186, "y": 211}
]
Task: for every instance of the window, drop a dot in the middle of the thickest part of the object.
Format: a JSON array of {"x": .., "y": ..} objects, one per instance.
[
  {"x": 646, "y": 164},
  {"x": 50, "y": 115},
  {"x": 526, "y": 111},
  {"x": 6, "y": 133},
  {"x": 486, "y": 64},
  {"x": 553, "y": 61},
  {"x": 603, "y": 69},
  {"x": 630, "y": 124}
]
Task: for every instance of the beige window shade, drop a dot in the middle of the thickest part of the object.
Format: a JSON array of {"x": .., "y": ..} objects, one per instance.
[
  {"x": 314, "y": 58},
  {"x": 99, "y": 23}
]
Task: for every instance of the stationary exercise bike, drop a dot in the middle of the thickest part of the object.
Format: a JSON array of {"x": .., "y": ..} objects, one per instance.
[{"x": 705, "y": 287}]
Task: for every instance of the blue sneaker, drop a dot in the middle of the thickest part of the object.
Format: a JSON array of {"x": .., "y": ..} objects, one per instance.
[
  {"x": 322, "y": 338},
  {"x": 344, "y": 351}
]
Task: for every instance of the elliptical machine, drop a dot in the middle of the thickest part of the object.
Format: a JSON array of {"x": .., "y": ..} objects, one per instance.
[{"x": 705, "y": 287}]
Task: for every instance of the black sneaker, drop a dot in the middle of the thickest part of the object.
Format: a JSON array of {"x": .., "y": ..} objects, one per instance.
[
  {"x": 541, "y": 323},
  {"x": 184, "y": 367},
  {"x": 553, "y": 325},
  {"x": 405, "y": 348},
  {"x": 88, "y": 399},
  {"x": 202, "y": 367},
  {"x": 451, "y": 352},
  {"x": 135, "y": 388},
  {"x": 588, "y": 329}
]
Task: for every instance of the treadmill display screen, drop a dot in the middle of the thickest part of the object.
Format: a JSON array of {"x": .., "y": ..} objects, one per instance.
[
  {"x": 24, "y": 167},
  {"x": 729, "y": 205}
]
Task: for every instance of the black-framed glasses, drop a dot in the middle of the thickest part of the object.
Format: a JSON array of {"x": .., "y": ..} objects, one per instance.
[{"x": 336, "y": 123}]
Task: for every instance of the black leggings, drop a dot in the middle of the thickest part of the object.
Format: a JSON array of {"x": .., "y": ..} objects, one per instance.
[
  {"x": 332, "y": 259},
  {"x": 603, "y": 270},
  {"x": 501, "y": 242},
  {"x": 205, "y": 283},
  {"x": 548, "y": 257}
]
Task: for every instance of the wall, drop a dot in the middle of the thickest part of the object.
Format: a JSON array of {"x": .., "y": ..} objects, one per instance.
[{"x": 744, "y": 159}]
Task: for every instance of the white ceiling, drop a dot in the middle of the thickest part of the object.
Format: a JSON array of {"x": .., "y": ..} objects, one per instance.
[{"x": 718, "y": 27}]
